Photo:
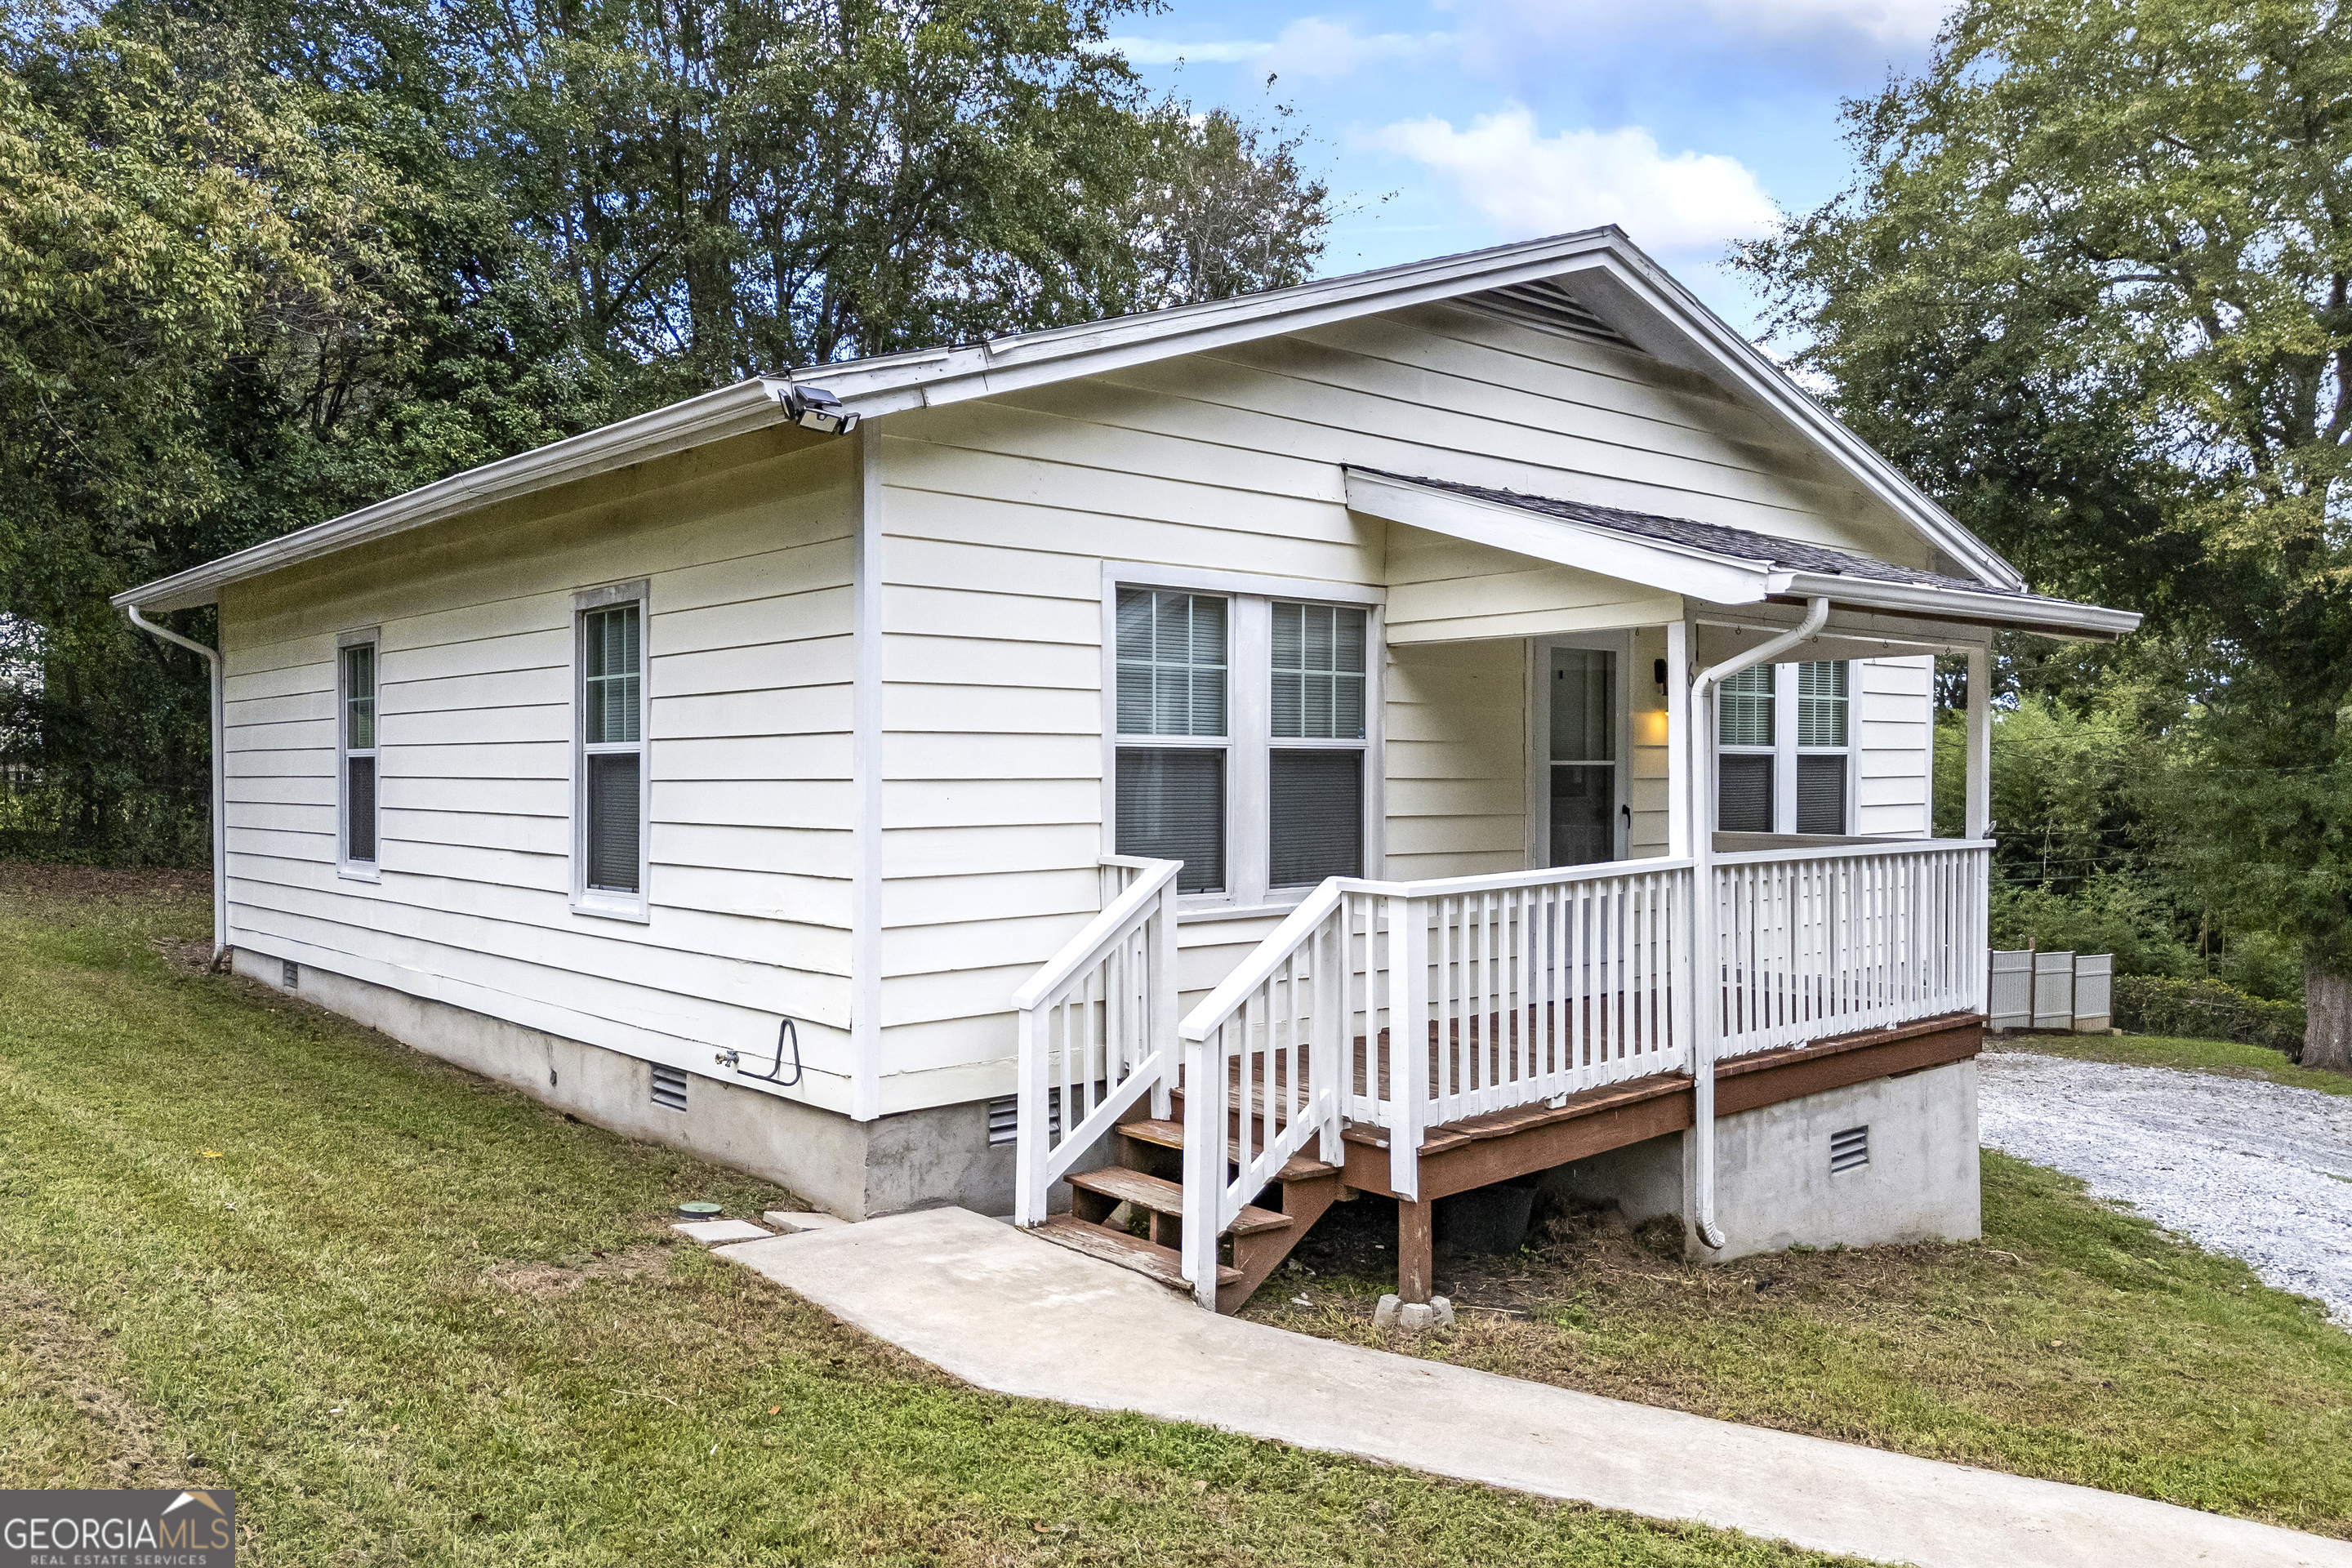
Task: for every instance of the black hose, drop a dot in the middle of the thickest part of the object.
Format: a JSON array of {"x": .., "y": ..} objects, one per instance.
[{"x": 785, "y": 1030}]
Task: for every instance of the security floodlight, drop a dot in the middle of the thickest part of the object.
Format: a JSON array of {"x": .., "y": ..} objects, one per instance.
[{"x": 814, "y": 408}]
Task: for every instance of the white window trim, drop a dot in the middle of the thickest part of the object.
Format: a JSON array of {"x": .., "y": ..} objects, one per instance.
[
  {"x": 353, "y": 870},
  {"x": 1619, "y": 643},
  {"x": 1785, "y": 751},
  {"x": 599, "y": 903},
  {"x": 1248, "y": 741}
]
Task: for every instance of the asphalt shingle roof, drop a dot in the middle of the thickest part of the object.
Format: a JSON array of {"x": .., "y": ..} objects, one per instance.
[{"x": 1791, "y": 555}]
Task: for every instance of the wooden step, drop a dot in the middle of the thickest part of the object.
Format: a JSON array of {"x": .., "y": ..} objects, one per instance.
[
  {"x": 1170, "y": 1135},
  {"x": 1154, "y": 1262},
  {"x": 1125, "y": 1186}
]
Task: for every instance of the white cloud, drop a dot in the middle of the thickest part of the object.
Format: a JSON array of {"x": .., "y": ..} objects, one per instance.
[
  {"x": 1312, "y": 47},
  {"x": 1897, "y": 24},
  {"x": 1689, "y": 204}
]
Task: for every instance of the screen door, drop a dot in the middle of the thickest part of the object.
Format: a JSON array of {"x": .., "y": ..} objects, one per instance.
[{"x": 1583, "y": 687}]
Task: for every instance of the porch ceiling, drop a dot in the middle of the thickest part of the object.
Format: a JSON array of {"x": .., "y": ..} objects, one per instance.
[{"x": 1707, "y": 562}]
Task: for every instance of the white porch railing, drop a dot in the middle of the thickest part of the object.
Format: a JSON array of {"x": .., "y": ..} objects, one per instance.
[
  {"x": 1408, "y": 1005},
  {"x": 1098, "y": 1029},
  {"x": 1836, "y": 940}
]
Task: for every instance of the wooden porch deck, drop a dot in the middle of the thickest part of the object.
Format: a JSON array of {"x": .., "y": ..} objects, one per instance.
[{"x": 1478, "y": 1151}]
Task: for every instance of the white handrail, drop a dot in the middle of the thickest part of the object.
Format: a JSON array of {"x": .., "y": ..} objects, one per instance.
[
  {"x": 1085, "y": 949},
  {"x": 1847, "y": 851},
  {"x": 1254, "y": 971},
  {"x": 1096, "y": 1034}
]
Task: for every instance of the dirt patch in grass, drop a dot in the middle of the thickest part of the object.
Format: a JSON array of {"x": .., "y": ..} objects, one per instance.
[
  {"x": 79, "y": 884},
  {"x": 545, "y": 1281},
  {"x": 73, "y": 1409}
]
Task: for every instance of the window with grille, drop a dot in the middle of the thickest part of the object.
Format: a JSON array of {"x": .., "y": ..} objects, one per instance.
[
  {"x": 1243, "y": 726},
  {"x": 1782, "y": 736},
  {"x": 1315, "y": 794},
  {"x": 611, "y": 751},
  {"x": 355, "y": 743},
  {"x": 1172, "y": 687}
]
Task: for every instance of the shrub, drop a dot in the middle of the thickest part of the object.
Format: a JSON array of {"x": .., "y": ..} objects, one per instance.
[{"x": 2207, "y": 1010}]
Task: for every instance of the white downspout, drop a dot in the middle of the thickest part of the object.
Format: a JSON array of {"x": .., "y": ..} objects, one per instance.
[
  {"x": 220, "y": 763},
  {"x": 1706, "y": 968}
]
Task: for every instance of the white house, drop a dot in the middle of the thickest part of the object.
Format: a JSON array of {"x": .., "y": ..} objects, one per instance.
[{"x": 769, "y": 772}]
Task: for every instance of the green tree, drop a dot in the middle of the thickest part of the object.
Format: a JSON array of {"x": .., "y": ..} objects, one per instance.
[
  {"x": 172, "y": 235},
  {"x": 2092, "y": 287},
  {"x": 262, "y": 262}
]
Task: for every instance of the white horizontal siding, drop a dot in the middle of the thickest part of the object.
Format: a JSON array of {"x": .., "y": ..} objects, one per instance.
[
  {"x": 1894, "y": 703},
  {"x": 747, "y": 671},
  {"x": 998, "y": 514}
]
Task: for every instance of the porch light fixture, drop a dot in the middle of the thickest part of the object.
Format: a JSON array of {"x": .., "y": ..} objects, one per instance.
[{"x": 814, "y": 408}]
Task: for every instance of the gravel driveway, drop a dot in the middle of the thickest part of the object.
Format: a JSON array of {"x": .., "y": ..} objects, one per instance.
[{"x": 2257, "y": 1169}]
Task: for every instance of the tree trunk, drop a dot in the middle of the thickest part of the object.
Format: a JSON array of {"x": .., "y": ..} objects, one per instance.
[{"x": 2327, "y": 998}]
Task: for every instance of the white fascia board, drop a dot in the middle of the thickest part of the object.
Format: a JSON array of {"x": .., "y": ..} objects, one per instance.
[
  {"x": 878, "y": 387},
  {"x": 1651, "y": 564},
  {"x": 713, "y": 416},
  {"x": 2052, "y": 617},
  {"x": 1730, "y": 356}
]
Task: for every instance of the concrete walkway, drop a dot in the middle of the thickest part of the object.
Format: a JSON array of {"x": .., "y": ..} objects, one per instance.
[{"x": 1021, "y": 1316}]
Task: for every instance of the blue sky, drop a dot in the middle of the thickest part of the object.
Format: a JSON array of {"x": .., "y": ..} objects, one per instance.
[{"x": 1449, "y": 124}]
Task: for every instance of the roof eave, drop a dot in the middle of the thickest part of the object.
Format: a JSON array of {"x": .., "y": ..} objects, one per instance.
[
  {"x": 713, "y": 416},
  {"x": 2048, "y": 617}
]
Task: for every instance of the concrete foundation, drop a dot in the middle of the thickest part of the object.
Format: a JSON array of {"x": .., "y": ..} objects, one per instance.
[
  {"x": 857, "y": 1170},
  {"x": 1775, "y": 1187}
]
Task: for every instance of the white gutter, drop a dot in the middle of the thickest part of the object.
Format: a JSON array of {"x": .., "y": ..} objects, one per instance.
[
  {"x": 2057, "y": 618},
  {"x": 220, "y": 766},
  {"x": 1706, "y": 966},
  {"x": 713, "y": 416}
]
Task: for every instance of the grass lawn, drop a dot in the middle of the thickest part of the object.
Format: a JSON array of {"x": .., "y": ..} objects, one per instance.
[
  {"x": 412, "y": 1318},
  {"x": 2226, "y": 1058},
  {"x": 2072, "y": 1342}
]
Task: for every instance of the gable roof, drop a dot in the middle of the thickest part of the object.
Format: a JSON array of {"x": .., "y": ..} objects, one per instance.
[
  {"x": 1709, "y": 561},
  {"x": 1595, "y": 284}
]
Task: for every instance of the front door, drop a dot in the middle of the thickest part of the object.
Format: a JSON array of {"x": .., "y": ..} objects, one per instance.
[{"x": 1583, "y": 764}]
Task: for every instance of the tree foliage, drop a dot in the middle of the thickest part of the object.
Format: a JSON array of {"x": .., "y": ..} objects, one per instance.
[
  {"x": 2093, "y": 287},
  {"x": 262, "y": 262}
]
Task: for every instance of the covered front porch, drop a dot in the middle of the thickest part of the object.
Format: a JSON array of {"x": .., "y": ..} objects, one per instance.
[{"x": 1652, "y": 854}]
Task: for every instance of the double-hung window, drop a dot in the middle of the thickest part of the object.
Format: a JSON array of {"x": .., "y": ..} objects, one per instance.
[
  {"x": 1783, "y": 751},
  {"x": 356, "y": 753},
  {"x": 611, "y": 791},
  {"x": 1242, "y": 725}
]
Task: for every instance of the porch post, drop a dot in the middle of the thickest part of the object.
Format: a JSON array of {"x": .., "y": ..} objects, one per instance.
[
  {"x": 1680, "y": 754},
  {"x": 1977, "y": 821}
]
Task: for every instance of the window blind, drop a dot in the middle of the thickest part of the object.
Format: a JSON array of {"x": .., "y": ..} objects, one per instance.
[
  {"x": 1821, "y": 794},
  {"x": 1743, "y": 708},
  {"x": 1743, "y": 798},
  {"x": 613, "y": 822},
  {"x": 1319, "y": 672},
  {"x": 1315, "y": 811},
  {"x": 1172, "y": 806},
  {"x": 359, "y": 697},
  {"x": 609, "y": 647},
  {"x": 1821, "y": 706},
  {"x": 359, "y": 796},
  {"x": 1171, "y": 663}
]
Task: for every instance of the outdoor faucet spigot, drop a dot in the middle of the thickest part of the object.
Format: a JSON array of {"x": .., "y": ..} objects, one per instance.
[{"x": 728, "y": 1059}]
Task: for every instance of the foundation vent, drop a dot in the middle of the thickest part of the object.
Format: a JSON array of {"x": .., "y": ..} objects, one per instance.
[
  {"x": 290, "y": 973},
  {"x": 1004, "y": 1119},
  {"x": 1849, "y": 1150},
  {"x": 669, "y": 1087}
]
